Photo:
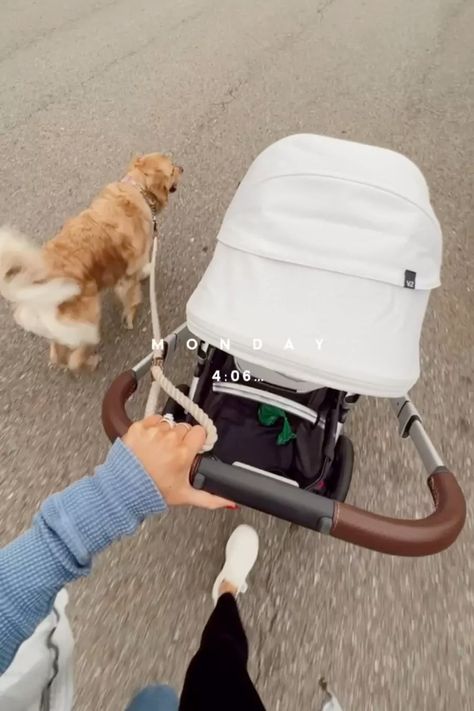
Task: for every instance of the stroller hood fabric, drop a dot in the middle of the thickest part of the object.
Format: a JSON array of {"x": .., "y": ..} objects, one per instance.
[{"x": 323, "y": 267}]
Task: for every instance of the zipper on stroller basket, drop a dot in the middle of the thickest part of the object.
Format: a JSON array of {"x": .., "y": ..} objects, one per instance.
[{"x": 256, "y": 395}]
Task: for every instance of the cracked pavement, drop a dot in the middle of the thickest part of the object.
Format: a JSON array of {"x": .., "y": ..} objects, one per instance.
[{"x": 83, "y": 87}]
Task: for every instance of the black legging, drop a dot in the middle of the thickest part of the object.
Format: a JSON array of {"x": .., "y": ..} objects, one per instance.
[{"x": 217, "y": 676}]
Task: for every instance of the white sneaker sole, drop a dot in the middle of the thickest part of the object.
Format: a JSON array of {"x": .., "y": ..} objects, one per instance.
[{"x": 241, "y": 553}]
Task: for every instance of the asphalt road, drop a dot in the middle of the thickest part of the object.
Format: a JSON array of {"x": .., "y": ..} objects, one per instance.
[{"x": 83, "y": 87}]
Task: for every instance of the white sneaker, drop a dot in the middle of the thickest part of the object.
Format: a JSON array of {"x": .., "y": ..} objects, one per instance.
[{"x": 241, "y": 553}]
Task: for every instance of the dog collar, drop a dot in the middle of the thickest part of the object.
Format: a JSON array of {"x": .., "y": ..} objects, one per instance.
[{"x": 150, "y": 201}]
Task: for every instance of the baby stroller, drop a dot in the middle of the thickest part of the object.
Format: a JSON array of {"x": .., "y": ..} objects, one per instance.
[{"x": 315, "y": 295}]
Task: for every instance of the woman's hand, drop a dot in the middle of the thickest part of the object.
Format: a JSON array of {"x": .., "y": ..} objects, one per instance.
[{"x": 167, "y": 453}]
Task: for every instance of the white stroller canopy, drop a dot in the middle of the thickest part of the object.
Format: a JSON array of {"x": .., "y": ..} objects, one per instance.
[{"x": 323, "y": 266}]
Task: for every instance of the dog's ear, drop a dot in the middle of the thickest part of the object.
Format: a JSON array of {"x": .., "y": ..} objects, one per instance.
[{"x": 137, "y": 161}]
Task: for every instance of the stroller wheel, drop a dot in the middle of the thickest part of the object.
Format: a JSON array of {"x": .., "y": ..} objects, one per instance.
[
  {"x": 172, "y": 408},
  {"x": 342, "y": 467}
]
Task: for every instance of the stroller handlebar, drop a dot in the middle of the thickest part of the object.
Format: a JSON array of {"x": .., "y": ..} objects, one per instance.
[
  {"x": 114, "y": 415},
  {"x": 404, "y": 537},
  {"x": 416, "y": 537},
  {"x": 263, "y": 493}
]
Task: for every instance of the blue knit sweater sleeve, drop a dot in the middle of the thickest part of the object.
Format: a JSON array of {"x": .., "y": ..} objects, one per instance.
[{"x": 70, "y": 528}]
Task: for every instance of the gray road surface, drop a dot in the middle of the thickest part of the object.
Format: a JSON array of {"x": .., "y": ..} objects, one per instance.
[{"x": 83, "y": 87}]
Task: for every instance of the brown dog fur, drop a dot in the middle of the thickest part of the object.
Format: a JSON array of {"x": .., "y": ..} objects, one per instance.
[{"x": 107, "y": 246}]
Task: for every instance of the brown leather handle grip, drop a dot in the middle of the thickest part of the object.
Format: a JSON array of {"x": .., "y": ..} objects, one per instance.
[
  {"x": 417, "y": 537},
  {"x": 114, "y": 416}
]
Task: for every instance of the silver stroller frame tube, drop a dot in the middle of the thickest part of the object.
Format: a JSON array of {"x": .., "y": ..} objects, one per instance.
[{"x": 411, "y": 425}]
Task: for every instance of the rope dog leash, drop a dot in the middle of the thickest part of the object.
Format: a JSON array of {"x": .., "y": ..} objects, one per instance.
[{"x": 160, "y": 381}]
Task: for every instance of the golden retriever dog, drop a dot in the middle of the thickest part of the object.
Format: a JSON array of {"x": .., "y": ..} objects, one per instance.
[{"x": 56, "y": 288}]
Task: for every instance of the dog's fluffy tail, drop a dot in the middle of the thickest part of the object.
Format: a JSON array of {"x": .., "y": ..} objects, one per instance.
[{"x": 24, "y": 277}]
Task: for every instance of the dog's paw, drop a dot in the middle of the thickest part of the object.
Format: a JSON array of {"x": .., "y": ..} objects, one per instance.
[
  {"x": 58, "y": 355},
  {"x": 82, "y": 359},
  {"x": 92, "y": 362},
  {"x": 57, "y": 366},
  {"x": 127, "y": 321}
]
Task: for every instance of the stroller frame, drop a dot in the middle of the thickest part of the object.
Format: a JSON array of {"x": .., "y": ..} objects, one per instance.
[{"x": 278, "y": 498}]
